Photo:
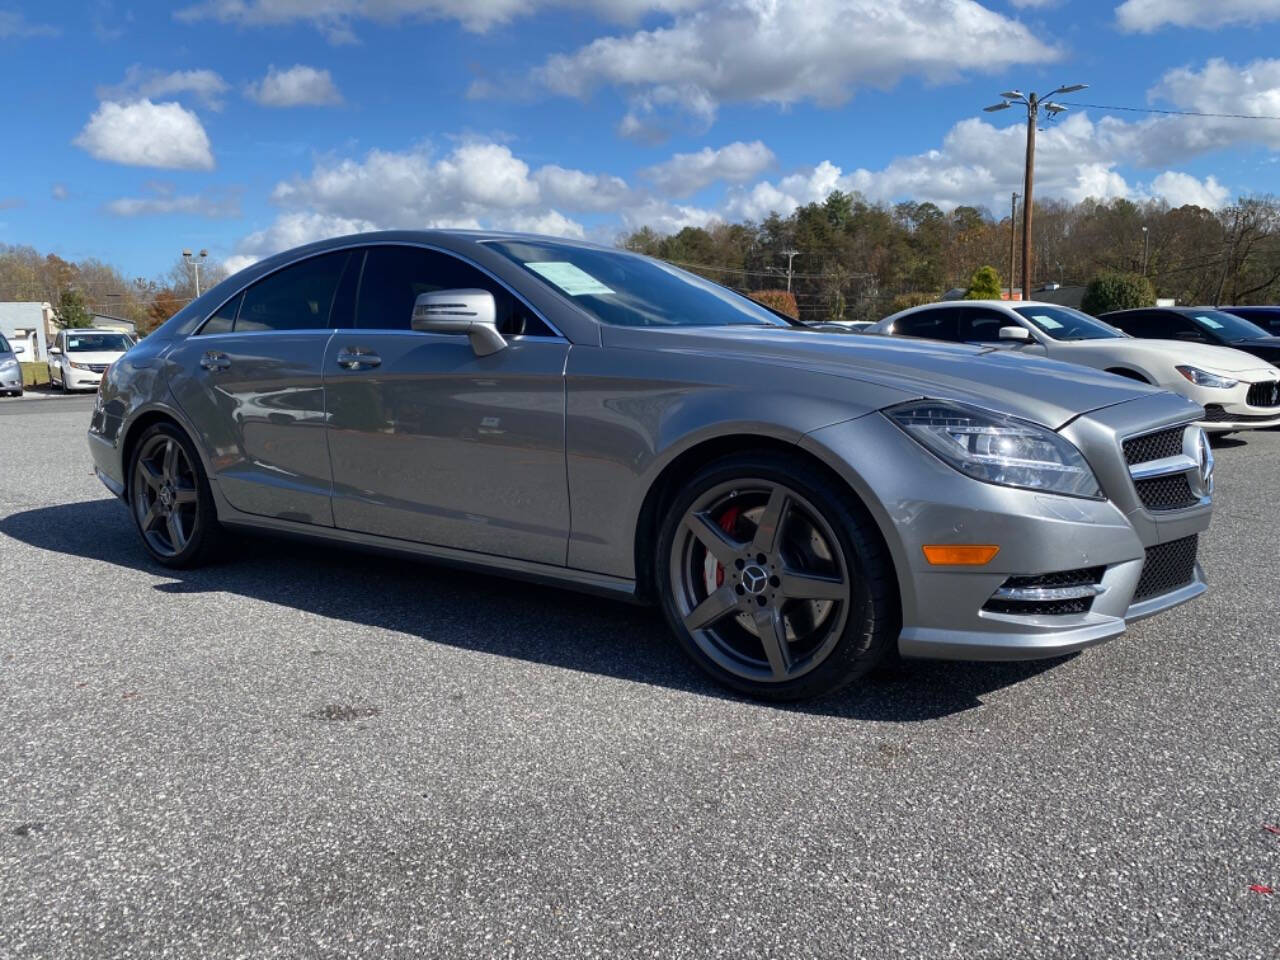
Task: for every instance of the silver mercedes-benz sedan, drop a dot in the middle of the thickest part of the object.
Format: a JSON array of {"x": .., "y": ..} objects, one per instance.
[{"x": 799, "y": 503}]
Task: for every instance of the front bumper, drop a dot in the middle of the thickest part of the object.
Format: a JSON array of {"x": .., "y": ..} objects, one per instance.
[
  {"x": 918, "y": 500},
  {"x": 81, "y": 379}
]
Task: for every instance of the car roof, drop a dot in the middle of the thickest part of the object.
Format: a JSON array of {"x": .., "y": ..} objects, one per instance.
[
  {"x": 92, "y": 330},
  {"x": 1180, "y": 309}
]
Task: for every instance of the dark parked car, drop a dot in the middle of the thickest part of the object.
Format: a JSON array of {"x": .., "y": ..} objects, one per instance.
[
  {"x": 1267, "y": 318},
  {"x": 1198, "y": 325}
]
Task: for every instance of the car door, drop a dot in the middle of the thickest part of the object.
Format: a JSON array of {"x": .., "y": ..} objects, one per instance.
[
  {"x": 431, "y": 443},
  {"x": 250, "y": 381}
]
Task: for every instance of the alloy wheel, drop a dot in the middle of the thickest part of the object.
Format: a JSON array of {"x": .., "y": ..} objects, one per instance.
[
  {"x": 760, "y": 580},
  {"x": 165, "y": 495}
]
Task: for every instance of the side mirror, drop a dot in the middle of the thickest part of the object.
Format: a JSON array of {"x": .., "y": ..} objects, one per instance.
[
  {"x": 473, "y": 312},
  {"x": 17, "y": 349},
  {"x": 1012, "y": 332},
  {"x": 55, "y": 351}
]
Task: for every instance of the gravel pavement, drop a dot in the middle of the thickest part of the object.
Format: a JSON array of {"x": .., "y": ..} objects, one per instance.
[{"x": 321, "y": 754}]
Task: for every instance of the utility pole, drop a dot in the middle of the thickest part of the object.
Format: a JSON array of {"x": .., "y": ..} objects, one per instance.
[
  {"x": 1013, "y": 242},
  {"x": 790, "y": 255},
  {"x": 1033, "y": 103},
  {"x": 1146, "y": 242},
  {"x": 195, "y": 263}
]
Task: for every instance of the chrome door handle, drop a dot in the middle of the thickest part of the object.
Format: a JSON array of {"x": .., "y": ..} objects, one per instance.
[
  {"x": 215, "y": 361},
  {"x": 357, "y": 358}
]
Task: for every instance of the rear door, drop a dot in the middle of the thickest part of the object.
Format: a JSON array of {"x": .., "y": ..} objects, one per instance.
[
  {"x": 250, "y": 381},
  {"x": 434, "y": 444}
]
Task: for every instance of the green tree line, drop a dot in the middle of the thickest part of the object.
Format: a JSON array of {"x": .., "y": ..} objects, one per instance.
[
  {"x": 857, "y": 260},
  {"x": 78, "y": 289}
]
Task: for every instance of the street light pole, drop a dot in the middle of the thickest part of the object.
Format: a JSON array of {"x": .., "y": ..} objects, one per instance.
[
  {"x": 1013, "y": 242},
  {"x": 1032, "y": 102},
  {"x": 195, "y": 263},
  {"x": 790, "y": 255},
  {"x": 1146, "y": 246}
]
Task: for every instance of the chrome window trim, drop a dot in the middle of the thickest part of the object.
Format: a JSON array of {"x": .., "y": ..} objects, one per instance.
[{"x": 557, "y": 333}]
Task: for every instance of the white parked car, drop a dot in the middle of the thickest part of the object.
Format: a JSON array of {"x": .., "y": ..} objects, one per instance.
[
  {"x": 10, "y": 368},
  {"x": 1208, "y": 375},
  {"x": 80, "y": 356}
]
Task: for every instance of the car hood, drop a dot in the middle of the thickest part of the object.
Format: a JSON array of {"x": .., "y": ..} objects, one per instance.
[
  {"x": 1204, "y": 355},
  {"x": 94, "y": 356},
  {"x": 1043, "y": 391},
  {"x": 1265, "y": 347}
]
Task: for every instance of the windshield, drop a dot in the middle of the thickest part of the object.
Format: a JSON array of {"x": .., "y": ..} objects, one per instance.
[
  {"x": 1063, "y": 323},
  {"x": 627, "y": 290},
  {"x": 97, "y": 343},
  {"x": 1227, "y": 326},
  {"x": 4, "y": 345}
]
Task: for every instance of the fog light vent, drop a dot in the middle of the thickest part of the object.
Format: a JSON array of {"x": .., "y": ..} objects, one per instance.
[{"x": 1048, "y": 594}]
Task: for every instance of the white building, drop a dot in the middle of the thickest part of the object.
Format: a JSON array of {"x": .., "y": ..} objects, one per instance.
[{"x": 27, "y": 324}]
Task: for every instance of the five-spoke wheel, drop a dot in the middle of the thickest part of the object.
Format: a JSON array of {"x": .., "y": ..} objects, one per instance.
[
  {"x": 169, "y": 497},
  {"x": 768, "y": 574}
]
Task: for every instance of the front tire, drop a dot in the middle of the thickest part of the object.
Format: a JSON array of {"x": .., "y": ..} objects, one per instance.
[
  {"x": 774, "y": 579},
  {"x": 170, "y": 500}
]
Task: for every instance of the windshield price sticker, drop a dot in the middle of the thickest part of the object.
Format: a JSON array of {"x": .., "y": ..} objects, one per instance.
[
  {"x": 572, "y": 280},
  {"x": 1047, "y": 322},
  {"x": 1209, "y": 322}
]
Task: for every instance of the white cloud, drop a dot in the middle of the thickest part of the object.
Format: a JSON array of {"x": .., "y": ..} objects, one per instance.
[
  {"x": 1179, "y": 189},
  {"x": 162, "y": 198},
  {"x": 788, "y": 51},
  {"x": 298, "y": 86},
  {"x": 59, "y": 191},
  {"x": 1144, "y": 16},
  {"x": 476, "y": 184},
  {"x": 293, "y": 230},
  {"x": 146, "y": 134},
  {"x": 335, "y": 18},
  {"x": 140, "y": 83},
  {"x": 14, "y": 24},
  {"x": 687, "y": 173}
]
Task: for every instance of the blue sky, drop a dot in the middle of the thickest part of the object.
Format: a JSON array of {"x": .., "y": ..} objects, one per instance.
[{"x": 247, "y": 126}]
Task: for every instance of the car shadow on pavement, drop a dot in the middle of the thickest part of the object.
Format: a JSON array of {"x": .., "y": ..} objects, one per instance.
[{"x": 490, "y": 614}]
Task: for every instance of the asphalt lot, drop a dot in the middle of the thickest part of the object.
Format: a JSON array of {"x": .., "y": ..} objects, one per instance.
[{"x": 311, "y": 754}]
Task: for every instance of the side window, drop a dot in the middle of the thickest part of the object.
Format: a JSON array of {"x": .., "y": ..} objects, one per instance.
[
  {"x": 299, "y": 297},
  {"x": 936, "y": 324},
  {"x": 224, "y": 318},
  {"x": 1180, "y": 327},
  {"x": 979, "y": 325},
  {"x": 394, "y": 277}
]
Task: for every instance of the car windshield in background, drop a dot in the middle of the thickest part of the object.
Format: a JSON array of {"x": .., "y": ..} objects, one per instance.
[
  {"x": 97, "y": 342},
  {"x": 627, "y": 290},
  {"x": 4, "y": 345},
  {"x": 1228, "y": 326},
  {"x": 1063, "y": 323}
]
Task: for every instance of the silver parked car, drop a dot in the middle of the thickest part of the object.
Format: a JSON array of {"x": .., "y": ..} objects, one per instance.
[
  {"x": 10, "y": 368},
  {"x": 799, "y": 503}
]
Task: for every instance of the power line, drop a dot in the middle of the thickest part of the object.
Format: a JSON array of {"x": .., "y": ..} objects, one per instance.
[{"x": 1179, "y": 113}]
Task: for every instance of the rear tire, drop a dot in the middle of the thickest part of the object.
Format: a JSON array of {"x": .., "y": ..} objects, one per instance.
[
  {"x": 774, "y": 579},
  {"x": 170, "y": 500}
]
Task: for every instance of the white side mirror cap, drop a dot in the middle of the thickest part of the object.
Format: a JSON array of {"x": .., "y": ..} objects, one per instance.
[{"x": 1012, "y": 332}]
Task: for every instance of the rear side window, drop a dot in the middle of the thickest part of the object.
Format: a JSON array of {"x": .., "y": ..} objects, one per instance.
[
  {"x": 299, "y": 297},
  {"x": 937, "y": 324},
  {"x": 394, "y": 277}
]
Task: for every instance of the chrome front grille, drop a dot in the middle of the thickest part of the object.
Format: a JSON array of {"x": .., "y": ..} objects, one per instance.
[
  {"x": 1171, "y": 469},
  {"x": 1154, "y": 446},
  {"x": 1265, "y": 394}
]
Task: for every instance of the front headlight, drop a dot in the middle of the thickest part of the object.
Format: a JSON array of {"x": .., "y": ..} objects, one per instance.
[
  {"x": 78, "y": 366},
  {"x": 997, "y": 449},
  {"x": 1203, "y": 378}
]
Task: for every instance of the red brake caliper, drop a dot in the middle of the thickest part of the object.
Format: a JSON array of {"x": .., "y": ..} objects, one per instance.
[{"x": 728, "y": 520}]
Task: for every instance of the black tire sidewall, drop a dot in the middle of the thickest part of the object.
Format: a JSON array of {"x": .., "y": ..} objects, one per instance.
[{"x": 868, "y": 633}]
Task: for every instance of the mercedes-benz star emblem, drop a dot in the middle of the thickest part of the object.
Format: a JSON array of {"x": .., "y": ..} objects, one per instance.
[{"x": 754, "y": 580}]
